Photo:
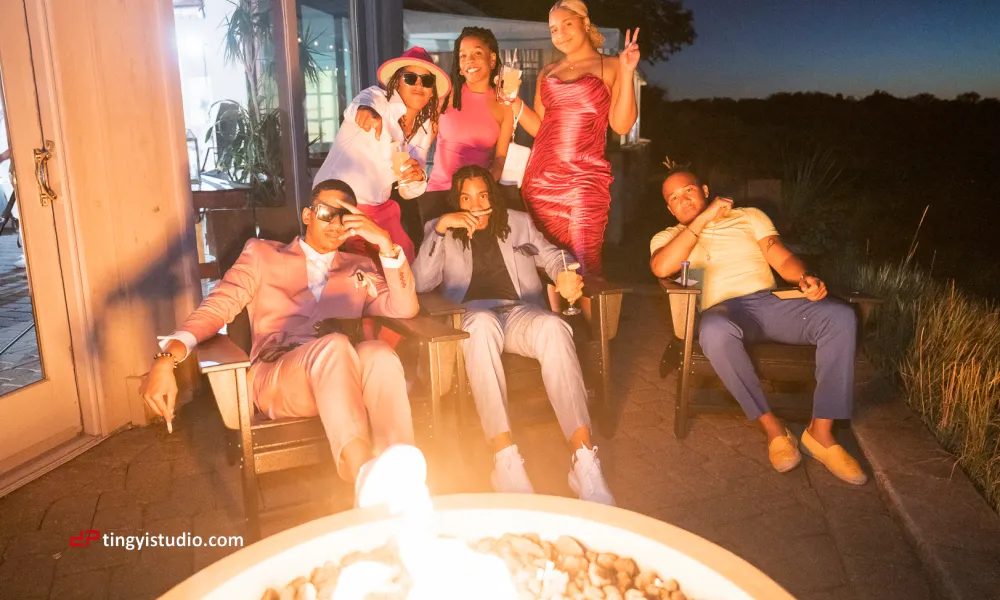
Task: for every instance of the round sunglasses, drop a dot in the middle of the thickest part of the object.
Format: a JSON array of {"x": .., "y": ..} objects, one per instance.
[{"x": 426, "y": 81}]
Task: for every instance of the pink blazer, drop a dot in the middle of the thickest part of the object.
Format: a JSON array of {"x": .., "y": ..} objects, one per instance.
[{"x": 269, "y": 279}]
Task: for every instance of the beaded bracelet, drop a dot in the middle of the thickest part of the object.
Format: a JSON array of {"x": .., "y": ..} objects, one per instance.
[{"x": 159, "y": 355}]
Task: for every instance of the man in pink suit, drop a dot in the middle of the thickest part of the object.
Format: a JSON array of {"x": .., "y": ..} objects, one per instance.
[{"x": 296, "y": 371}]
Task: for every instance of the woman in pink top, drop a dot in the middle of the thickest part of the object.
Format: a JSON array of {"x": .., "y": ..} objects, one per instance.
[{"x": 476, "y": 128}]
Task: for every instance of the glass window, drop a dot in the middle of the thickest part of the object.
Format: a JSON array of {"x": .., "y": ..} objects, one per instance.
[
  {"x": 225, "y": 52},
  {"x": 206, "y": 78},
  {"x": 226, "y": 55},
  {"x": 324, "y": 28}
]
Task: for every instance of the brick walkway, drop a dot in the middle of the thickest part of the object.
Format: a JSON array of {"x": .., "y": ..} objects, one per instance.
[
  {"x": 19, "y": 365},
  {"x": 819, "y": 538}
]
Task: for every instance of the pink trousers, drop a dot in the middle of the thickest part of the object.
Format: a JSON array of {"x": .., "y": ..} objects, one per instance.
[{"x": 348, "y": 388}]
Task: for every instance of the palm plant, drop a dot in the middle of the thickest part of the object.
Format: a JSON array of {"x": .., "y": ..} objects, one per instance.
[{"x": 253, "y": 156}]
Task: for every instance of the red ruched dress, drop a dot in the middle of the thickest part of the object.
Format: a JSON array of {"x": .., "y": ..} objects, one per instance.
[{"x": 567, "y": 180}]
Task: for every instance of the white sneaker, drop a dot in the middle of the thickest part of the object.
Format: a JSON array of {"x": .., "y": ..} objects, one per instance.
[
  {"x": 20, "y": 263},
  {"x": 397, "y": 478},
  {"x": 509, "y": 476},
  {"x": 586, "y": 479}
]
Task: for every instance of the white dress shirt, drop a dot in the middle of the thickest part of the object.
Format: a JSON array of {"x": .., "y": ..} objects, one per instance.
[
  {"x": 365, "y": 163},
  {"x": 317, "y": 274},
  {"x": 317, "y": 268}
]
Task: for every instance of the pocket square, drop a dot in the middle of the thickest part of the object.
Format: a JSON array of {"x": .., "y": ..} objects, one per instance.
[
  {"x": 364, "y": 279},
  {"x": 527, "y": 250}
]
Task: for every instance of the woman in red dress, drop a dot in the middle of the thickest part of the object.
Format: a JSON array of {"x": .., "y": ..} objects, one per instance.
[{"x": 567, "y": 180}]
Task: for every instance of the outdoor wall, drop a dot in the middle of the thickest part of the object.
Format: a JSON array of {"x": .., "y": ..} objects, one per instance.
[{"x": 109, "y": 89}]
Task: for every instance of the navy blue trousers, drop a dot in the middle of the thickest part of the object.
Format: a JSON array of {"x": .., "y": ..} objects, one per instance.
[{"x": 828, "y": 324}]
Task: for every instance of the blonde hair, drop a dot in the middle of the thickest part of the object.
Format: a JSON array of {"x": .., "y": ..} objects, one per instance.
[{"x": 578, "y": 8}]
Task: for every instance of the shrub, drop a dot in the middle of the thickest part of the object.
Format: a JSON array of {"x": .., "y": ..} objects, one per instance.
[{"x": 943, "y": 347}]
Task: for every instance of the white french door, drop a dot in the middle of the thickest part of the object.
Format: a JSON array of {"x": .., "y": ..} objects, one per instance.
[{"x": 39, "y": 400}]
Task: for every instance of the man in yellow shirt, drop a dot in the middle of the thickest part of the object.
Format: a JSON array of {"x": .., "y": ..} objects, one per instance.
[{"x": 732, "y": 252}]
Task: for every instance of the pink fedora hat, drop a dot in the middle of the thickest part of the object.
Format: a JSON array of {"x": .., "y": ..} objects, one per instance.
[{"x": 416, "y": 57}]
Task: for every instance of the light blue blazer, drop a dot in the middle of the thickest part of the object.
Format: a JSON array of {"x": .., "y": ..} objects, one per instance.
[{"x": 442, "y": 261}]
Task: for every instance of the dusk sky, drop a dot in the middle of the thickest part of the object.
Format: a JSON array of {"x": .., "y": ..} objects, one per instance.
[{"x": 750, "y": 49}]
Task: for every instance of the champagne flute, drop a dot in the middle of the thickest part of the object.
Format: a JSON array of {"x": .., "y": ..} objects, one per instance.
[{"x": 565, "y": 277}]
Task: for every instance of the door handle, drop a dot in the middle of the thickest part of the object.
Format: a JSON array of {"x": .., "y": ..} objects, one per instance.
[{"x": 42, "y": 156}]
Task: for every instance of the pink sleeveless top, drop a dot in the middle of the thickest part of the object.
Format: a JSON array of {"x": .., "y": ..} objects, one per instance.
[{"x": 465, "y": 137}]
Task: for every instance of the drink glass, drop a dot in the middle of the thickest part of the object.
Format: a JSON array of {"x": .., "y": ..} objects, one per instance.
[
  {"x": 400, "y": 154},
  {"x": 510, "y": 77},
  {"x": 567, "y": 275}
]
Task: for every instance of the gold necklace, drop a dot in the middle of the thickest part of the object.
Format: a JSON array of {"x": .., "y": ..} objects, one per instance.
[{"x": 572, "y": 65}]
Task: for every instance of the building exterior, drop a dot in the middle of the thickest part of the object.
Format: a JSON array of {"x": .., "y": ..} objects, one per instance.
[
  {"x": 135, "y": 103},
  {"x": 109, "y": 220}
]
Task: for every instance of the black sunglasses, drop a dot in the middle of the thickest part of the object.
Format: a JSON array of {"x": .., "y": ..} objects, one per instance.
[
  {"x": 328, "y": 213},
  {"x": 426, "y": 81}
]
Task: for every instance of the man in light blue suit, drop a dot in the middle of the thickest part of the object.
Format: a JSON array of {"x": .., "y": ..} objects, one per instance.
[{"x": 487, "y": 258}]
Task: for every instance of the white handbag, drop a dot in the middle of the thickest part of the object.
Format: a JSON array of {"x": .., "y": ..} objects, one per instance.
[{"x": 517, "y": 158}]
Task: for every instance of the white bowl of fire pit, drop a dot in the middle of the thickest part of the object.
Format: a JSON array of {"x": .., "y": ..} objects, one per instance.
[{"x": 704, "y": 570}]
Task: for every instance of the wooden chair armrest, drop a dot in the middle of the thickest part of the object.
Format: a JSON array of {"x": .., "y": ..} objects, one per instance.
[
  {"x": 671, "y": 287},
  {"x": 209, "y": 270},
  {"x": 683, "y": 306},
  {"x": 856, "y": 297},
  {"x": 436, "y": 305},
  {"x": 864, "y": 304},
  {"x": 424, "y": 328},
  {"x": 219, "y": 353},
  {"x": 598, "y": 287}
]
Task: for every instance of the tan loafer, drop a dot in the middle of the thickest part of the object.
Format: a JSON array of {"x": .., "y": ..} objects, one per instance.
[
  {"x": 784, "y": 453},
  {"x": 835, "y": 459}
]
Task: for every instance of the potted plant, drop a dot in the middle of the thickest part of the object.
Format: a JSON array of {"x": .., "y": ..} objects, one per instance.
[{"x": 248, "y": 136}]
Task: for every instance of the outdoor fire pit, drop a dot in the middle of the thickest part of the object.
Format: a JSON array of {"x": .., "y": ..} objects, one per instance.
[{"x": 681, "y": 561}]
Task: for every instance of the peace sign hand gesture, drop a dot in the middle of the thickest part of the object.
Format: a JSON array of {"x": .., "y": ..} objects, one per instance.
[{"x": 629, "y": 57}]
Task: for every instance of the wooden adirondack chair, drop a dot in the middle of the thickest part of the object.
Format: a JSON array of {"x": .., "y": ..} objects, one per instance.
[
  {"x": 263, "y": 445},
  {"x": 773, "y": 361},
  {"x": 593, "y": 342}
]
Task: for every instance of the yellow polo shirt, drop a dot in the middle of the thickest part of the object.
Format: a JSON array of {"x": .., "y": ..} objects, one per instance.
[{"x": 727, "y": 261}]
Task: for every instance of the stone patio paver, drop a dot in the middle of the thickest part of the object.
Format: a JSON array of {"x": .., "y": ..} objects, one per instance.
[
  {"x": 816, "y": 536},
  {"x": 19, "y": 365}
]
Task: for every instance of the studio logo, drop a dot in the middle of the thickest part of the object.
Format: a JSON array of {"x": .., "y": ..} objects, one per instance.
[{"x": 86, "y": 536}]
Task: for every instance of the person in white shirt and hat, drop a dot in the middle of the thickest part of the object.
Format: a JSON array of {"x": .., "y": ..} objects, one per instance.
[{"x": 404, "y": 108}]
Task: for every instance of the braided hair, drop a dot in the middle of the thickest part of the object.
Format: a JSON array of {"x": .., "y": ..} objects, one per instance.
[
  {"x": 497, "y": 225},
  {"x": 485, "y": 36},
  {"x": 428, "y": 113}
]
